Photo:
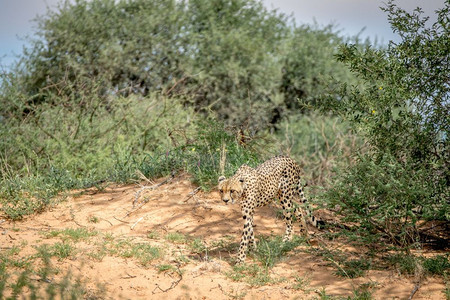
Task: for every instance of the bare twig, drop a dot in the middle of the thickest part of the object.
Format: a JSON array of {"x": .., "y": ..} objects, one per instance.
[
  {"x": 153, "y": 187},
  {"x": 128, "y": 276},
  {"x": 143, "y": 177},
  {"x": 107, "y": 221},
  {"x": 140, "y": 219},
  {"x": 137, "y": 208},
  {"x": 223, "y": 157},
  {"x": 121, "y": 220},
  {"x": 173, "y": 285},
  {"x": 416, "y": 288},
  {"x": 73, "y": 219},
  {"x": 192, "y": 194},
  {"x": 176, "y": 83}
]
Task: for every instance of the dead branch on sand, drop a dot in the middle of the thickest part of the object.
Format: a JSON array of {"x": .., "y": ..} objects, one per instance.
[
  {"x": 192, "y": 194},
  {"x": 153, "y": 187},
  {"x": 173, "y": 285}
]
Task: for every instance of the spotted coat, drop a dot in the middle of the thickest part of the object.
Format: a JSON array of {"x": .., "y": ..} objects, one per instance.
[{"x": 275, "y": 179}]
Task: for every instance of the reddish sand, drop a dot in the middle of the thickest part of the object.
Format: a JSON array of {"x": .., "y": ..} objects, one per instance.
[{"x": 168, "y": 209}]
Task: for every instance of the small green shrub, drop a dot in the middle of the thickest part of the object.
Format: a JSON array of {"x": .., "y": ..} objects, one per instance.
[
  {"x": 438, "y": 265},
  {"x": 197, "y": 246},
  {"x": 252, "y": 274},
  {"x": 362, "y": 292},
  {"x": 271, "y": 250},
  {"x": 400, "y": 110},
  {"x": 165, "y": 268},
  {"x": 153, "y": 235},
  {"x": 72, "y": 234},
  {"x": 302, "y": 283},
  {"x": 144, "y": 253},
  {"x": 62, "y": 250},
  {"x": 353, "y": 268},
  {"x": 177, "y": 238}
]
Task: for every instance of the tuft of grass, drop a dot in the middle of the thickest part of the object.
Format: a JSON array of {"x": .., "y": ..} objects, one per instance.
[
  {"x": 165, "y": 268},
  {"x": 24, "y": 286},
  {"x": 93, "y": 219},
  {"x": 8, "y": 258},
  {"x": 252, "y": 274},
  {"x": 302, "y": 283},
  {"x": 271, "y": 250},
  {"x": 144, "y": 253},
  {"x": 353, "y": 268},
  {"x": 362, "y": 292},
  {"x": 153, "y": 235},
  {"x": 345, "y": 267},
  {"x": 437, "y": 265},
  {"x": 20, "y": 281},
  {"x": 405, "y": 264},
  {"x": 3, "y": 277},
  {"x": 323, "y": 294},
  {"x": 177, "y": 238},
  {"x": 198, "y": 246},
  {"x": 409, "y": 264},
  {"x": 62, "y": 250},
  {"x": 71, "y": 234},
  {"x": 169, "y": 268},
  {"x": 226, "y": 244},
  {"x": 446, "y": 291},
  {"x": 234, "y": 294}
]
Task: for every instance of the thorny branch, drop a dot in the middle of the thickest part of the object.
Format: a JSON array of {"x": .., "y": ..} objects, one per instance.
[
  {"x": 153, "y": 187},
  {"x": 192, "y": 194},
  {"x": 173, "y": 285},
  {"x": 416, "y": 288}
]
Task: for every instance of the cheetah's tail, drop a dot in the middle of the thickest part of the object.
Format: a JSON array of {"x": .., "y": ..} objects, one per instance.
[{"x": 312, "y": 219}]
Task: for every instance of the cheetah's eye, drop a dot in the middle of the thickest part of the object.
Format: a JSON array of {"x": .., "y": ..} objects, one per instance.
[{"x": 221, "y": 191}]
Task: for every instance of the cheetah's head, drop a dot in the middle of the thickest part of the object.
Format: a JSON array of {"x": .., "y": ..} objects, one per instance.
[{"x": 230, "y": 189}]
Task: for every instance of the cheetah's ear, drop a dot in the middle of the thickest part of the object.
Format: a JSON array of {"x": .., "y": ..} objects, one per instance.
[{"x": 221, "y": 178}]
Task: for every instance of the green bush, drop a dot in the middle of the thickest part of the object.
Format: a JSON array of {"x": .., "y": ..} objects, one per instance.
[
  {"x": 271, "y": 250},
  {"x": 438, "y": 265},
  {"x": 151, "y": 90},
  {"x": 245, "y": 63},
  {"x": 400, "y": 109},
  {"x": 320, "y": 144}
]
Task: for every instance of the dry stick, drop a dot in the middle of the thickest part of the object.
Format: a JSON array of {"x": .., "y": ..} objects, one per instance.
[
  {"x": 192, "y": 194},
  {"x": 120, "y": 220},
  {"x": 128, "y": 276},
  {"x": 140, "y": 219},
  {"x": 138, "y": 193},
  {"x": 73, "y": 219},
  {"x": 132, "y": 211},
  {"x": 143, "y": 177},
  {"x": 176, "y": 83},
  {"x": 223, "y": 158},
  {"x": 416, "y": 288},
  {"x": 173, "y": 285},
  {"x": 107, "y": 221}
]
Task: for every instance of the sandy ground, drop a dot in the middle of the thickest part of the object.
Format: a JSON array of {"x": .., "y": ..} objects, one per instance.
[{"x": 167, "y": 209}]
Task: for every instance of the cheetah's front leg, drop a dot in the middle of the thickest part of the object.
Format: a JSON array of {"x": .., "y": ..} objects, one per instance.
[{"x": 247, "y": 236}]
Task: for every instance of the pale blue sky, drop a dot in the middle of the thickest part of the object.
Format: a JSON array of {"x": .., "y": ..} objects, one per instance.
[{"x": 351, "y": 16}]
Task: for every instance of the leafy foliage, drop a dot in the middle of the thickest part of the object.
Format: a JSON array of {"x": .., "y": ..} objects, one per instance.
[
  {"x": 270, "y": 250},
  {"x": 159, "y": 87},
  {"x": 245, "y": 63},
  {"x": 401, "y": 109}
]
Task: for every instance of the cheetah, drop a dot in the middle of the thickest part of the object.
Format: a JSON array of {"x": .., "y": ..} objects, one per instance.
[{"x": 277, "y": 178}]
